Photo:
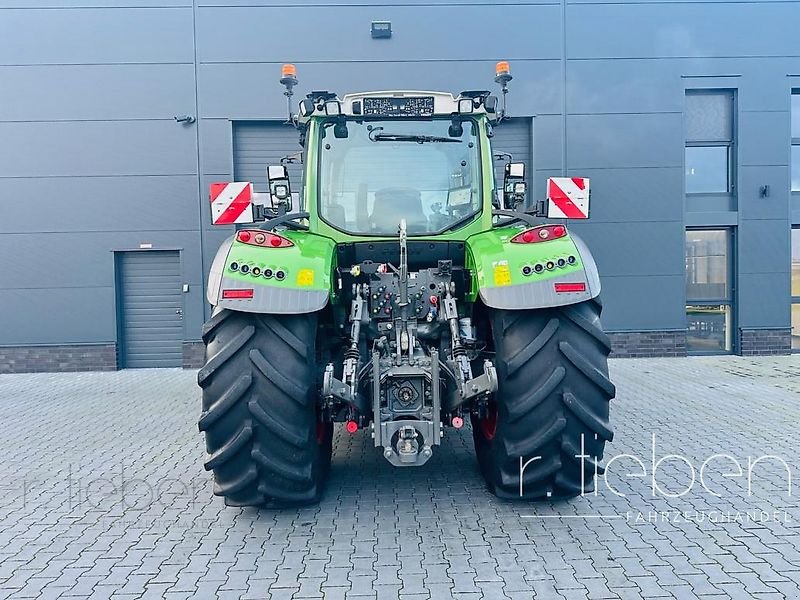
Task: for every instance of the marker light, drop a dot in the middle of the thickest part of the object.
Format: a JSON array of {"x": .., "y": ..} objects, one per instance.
[
  {"x": 245, "y": 294},
  {"x": 465, "y": 105},
  {"x": 502, "y": 68},
  {"x": 265, "y": 239},
  {"x": 541, "y": 233},
  {"x": 569, "y": 287},
  {"x": 275, "y": 172},
  {"x": 333, "y": 108},
  {"x": 288, "y": 70}
]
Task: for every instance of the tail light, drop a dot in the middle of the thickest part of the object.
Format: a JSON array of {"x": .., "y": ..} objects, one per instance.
[
  {"x": 543, "y": 233},
  {"x": 563, "y": 288},
  {"x": 265, "y": 239},
  {"x": 241, "y": 294}
]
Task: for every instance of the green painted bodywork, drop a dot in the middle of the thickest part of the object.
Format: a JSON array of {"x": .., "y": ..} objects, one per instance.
[
  {"x": 310, "y": 264},
  {"x": 496, "y": 262}
]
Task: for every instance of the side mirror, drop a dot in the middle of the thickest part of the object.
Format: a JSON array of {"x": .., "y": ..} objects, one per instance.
[
  {"x": 280, "y": 191},
  {"x": 514, "y": 186}
]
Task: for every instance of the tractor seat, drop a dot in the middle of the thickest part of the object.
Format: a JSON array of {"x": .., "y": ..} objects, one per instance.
[{"x": 392, "y": 205}]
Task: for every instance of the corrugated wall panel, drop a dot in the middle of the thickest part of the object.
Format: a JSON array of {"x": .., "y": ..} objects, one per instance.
[
  {"x": 512, "y": 136},
  {"x": 257, "y": 144}
]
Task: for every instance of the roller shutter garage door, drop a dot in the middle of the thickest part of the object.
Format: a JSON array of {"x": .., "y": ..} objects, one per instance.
[
  {"x": 513, "y": 136},
  {"x": 150, "y": 309},
  {"x": 257, "y": 144}
]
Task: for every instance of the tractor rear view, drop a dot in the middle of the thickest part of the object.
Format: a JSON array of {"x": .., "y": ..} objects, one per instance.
[{"x": 403, "y": 291}]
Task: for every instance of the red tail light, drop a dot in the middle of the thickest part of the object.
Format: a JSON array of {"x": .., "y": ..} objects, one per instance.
[
  {"x": 244, "y": 294},
  {"x": 265, "y": 239},
  {"x": 562, "y": 288},
  {"x": 543, "y": 233}
]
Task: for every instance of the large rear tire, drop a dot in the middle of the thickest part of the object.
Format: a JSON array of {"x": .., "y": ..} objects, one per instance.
[
  {"x": 263, "y": 436},
  {"x": 552, "y": 404}
]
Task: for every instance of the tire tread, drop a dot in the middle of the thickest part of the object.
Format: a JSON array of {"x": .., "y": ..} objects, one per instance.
[
  {"x": 259, "y": 415},
  {"x": 550, "y": 396}
]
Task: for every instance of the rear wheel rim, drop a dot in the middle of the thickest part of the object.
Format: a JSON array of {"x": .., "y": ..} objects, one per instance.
[
  {"x": 321, "y": 432},
  {"x": 488, "y": 424}
]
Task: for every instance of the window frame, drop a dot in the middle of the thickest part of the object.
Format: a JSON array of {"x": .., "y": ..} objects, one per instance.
[
  {"x": 729, "y": 173},
  {"x": 714, "y": 201},
  {"x": 464, "y": 221},
  {"x": 795, "y": 141},
  {"x": 793, "y": 300},
  {"x": 729, "y": 301}
]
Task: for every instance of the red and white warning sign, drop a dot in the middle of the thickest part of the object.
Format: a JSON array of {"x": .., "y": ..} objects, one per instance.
[
  {"x": 568, "y": 197},
  {"x": 231, "y": 203}
]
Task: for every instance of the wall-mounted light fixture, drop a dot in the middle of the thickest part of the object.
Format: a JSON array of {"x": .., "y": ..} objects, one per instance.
[{"x": 381, "y": 30}]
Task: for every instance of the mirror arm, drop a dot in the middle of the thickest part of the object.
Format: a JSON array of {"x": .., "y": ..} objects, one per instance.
[
  {"x": 287, "y": 220},
  {"x": 515, "y": 215},
  {"x": 529, "y": 217}
]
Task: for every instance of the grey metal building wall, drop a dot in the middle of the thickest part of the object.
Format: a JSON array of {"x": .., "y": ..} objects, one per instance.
[{"x": 92, "y": 161}]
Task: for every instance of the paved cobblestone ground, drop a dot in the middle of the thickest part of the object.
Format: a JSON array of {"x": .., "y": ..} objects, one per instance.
[{"x": 103, "y": 495}]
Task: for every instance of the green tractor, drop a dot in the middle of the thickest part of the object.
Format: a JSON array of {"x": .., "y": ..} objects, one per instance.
[{"x": 402, "y": 291}]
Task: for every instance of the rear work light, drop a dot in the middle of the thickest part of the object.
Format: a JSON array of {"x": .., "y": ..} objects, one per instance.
[
  {"x": 245, "y": 294},
  {"x": 543, "y": 233},
  {"x": 265, "y": 239},
  {"x": 562, "y": 288}
]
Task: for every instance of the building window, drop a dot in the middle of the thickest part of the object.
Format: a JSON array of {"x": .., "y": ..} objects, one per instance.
[
  {"x": 796, "y": 140},
  {"x": 709, "y": 306},
  {"x": 709, "y": 142},
  {"x": 796, "y": 289}
]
